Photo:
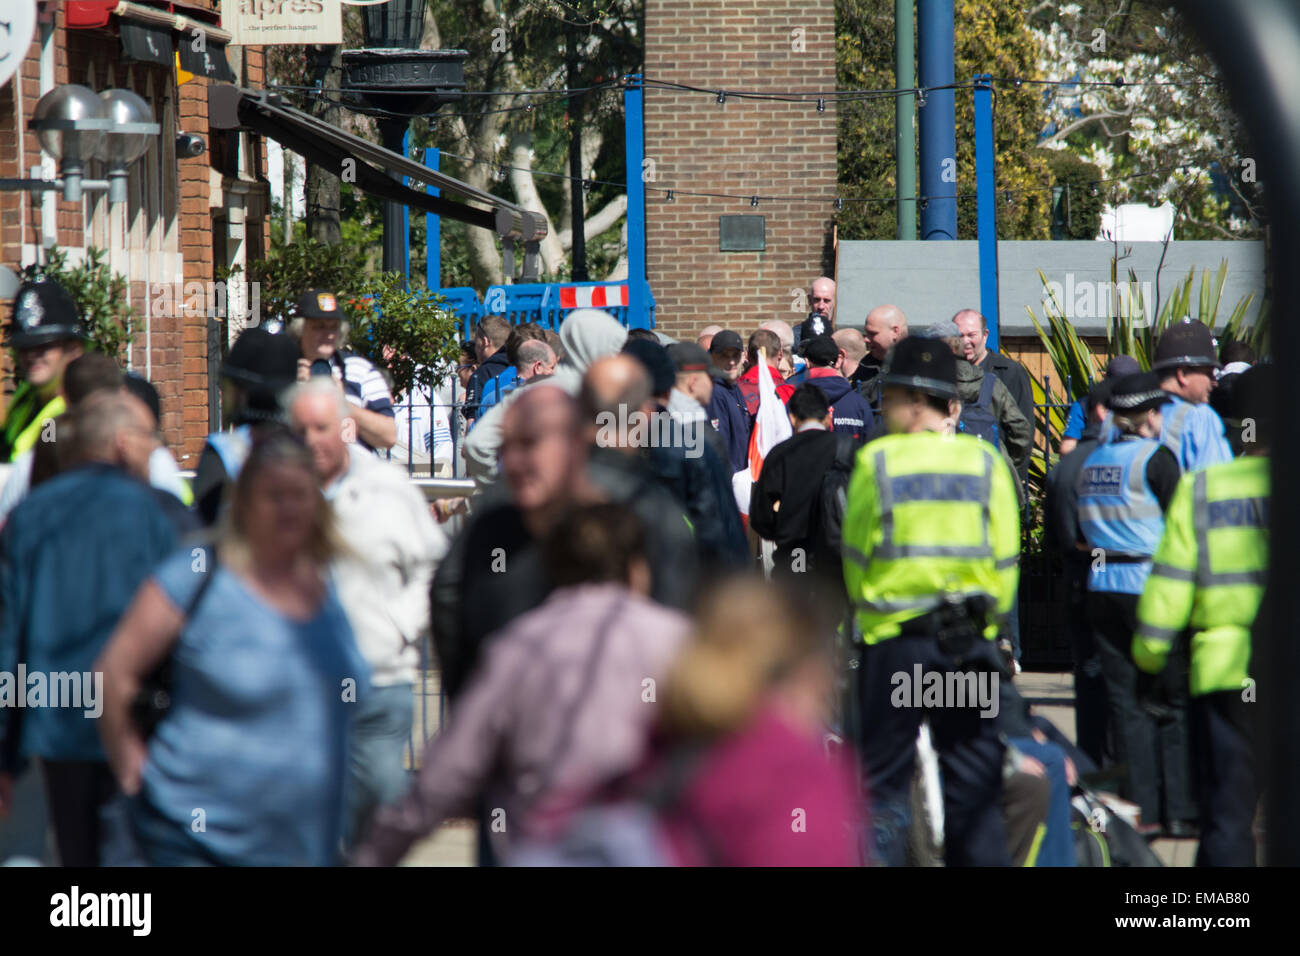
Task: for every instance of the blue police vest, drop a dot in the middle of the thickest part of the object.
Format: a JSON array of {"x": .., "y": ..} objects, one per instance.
[
  {"x": 232, "y": 448},
  {"x": 1120, "y": 514}
]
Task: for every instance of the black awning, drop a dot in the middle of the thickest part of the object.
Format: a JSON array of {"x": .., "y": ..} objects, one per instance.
[
  {"x": 147, "y": 43},
  {"x": 210, "y": 61},
  {"x": 231, "y": 107}
]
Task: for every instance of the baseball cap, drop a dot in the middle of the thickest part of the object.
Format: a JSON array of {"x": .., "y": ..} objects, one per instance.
[
  {"x": 726, "y": 339},
  {"x": 689, "y": 357},
  {"x": 319, "y": 304}
]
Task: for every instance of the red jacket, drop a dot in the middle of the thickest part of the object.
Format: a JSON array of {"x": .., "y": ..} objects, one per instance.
[{"x": 748, "y": 384}]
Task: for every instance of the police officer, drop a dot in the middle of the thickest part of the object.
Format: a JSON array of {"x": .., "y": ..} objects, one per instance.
[
  {"x": 1186, "y": 363},
  {"x": 1209, "y": 574},
  {"x": 322, "y": 329},
  {"x": 46, "y": 331},
  {"x": 1124, "y": 487},
  {"x": 931, "y": 544}
]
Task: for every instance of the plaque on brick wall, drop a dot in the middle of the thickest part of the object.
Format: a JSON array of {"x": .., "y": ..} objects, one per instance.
[{"x": 742, "y": 233}]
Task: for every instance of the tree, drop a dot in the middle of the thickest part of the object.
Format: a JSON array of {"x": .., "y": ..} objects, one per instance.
[
  {"x": 989, "y": 38},
  {"x": 1161, "y": 109},
  {"x": 519, "y": 44}
]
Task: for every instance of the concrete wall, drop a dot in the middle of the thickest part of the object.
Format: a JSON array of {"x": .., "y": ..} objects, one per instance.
[{"x": 930, "y": 281}]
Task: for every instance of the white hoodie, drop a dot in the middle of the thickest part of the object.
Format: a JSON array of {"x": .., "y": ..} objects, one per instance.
[{"x": 384, "y": 585}]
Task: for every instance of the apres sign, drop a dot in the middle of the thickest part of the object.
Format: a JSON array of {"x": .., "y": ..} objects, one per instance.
[{"x": 269, "y": 22}]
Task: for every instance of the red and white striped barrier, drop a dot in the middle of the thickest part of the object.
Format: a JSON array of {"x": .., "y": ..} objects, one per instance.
[{"x": 593, "y": 296}]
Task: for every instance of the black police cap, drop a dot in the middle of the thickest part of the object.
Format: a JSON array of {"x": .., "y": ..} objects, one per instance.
[{"x": 1130, "y": 394}]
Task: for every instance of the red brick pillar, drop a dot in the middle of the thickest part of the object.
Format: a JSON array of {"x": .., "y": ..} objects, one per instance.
[{"x": 744, "y": 147}]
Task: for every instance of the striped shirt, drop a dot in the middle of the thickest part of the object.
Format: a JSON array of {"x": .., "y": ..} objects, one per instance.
[{"x": 365, "y": 385}]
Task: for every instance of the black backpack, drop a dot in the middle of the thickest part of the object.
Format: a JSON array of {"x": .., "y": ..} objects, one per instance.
[
  {"x": 978, "y": 419},
  {"x": 835, "y": 488}
]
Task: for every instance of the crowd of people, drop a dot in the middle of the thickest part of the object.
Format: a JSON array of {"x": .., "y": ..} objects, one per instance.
[{"x": 676, "y": 624}]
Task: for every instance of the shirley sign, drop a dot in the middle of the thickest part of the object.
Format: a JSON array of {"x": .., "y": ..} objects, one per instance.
[{"x": 271, "y": 22}]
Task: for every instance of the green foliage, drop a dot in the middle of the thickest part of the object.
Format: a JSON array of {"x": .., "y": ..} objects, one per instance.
[
  {"x": 1078, "y": 210},
  {"x": 990, "y": 38},
  {"x": 100, "y": 294},
  {"x": 410, "y": 333},
  {"x": 292, "y": 269}
]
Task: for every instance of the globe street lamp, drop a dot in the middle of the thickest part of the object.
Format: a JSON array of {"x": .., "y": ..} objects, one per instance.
[{"x": 74, "y": 124}]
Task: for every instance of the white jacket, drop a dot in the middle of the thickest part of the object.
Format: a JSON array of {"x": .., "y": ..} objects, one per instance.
[{"x": 384, "y": 585}]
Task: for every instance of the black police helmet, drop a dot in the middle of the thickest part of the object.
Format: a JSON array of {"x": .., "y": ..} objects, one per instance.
[
  {"x": 925, "y": 365},
  {"x": 43, "y": 312},
  {"x": 1187, "y": 343}
]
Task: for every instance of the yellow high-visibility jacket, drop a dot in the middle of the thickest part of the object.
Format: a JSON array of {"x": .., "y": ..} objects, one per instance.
[
  {"x": 1209, "y": 574},
  {"x": 928, "y": 515}
]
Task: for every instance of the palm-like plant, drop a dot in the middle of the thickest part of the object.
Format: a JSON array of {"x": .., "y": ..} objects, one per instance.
[{"x": 1128, "y": 332}]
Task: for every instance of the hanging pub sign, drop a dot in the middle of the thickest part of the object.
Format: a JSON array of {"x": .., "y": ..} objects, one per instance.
[
  {"x": 269, "y": 22},
  {"x": 146, "y": 43}
]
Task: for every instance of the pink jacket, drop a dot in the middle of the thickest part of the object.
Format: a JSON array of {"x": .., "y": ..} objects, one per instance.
[
  {"x": 562, "y": 701},
  {"x": 768, "y": 796}
]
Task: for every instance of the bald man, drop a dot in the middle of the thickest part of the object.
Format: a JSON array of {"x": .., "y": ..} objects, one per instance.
[
  {"x": 974, "y": 329},
  {"x": 854, "y": 347},
  {"x": 636, "y": 439},
  {"x": 885, "y": 327},
  {"x": 786, "y": 334},
  {"x": 706, "y": 335},
  {"x": 821, "y": 318}
]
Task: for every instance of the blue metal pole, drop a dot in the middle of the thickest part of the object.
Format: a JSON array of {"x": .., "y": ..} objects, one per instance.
[
  {"x": 406, "y": 214},
  {"x": 432, "y": 228},
  {"x": 938, "y": 153},
  {"x": 638, "y": 313},
  {"x": 986, "y": 204}
]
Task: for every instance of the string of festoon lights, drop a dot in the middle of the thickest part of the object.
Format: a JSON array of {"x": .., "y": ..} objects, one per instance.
[{"x": 817, "y": 100}]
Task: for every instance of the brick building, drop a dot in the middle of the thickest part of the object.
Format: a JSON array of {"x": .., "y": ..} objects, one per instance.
[
  {"x": 744, "y": 147},
  {"x": 185, "y": 218}
]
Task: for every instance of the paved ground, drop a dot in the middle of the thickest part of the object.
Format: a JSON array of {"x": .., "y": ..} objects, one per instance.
[{"x": 1052, "y": 695}]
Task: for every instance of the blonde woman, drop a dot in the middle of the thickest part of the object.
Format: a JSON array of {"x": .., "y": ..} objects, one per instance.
[
  {"x": 750, "y": 696},
  {"x": 247, "y": 766}
]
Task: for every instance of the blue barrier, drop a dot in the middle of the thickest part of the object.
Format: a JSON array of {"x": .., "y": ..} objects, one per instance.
[{"x": 548, "y": 303}]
